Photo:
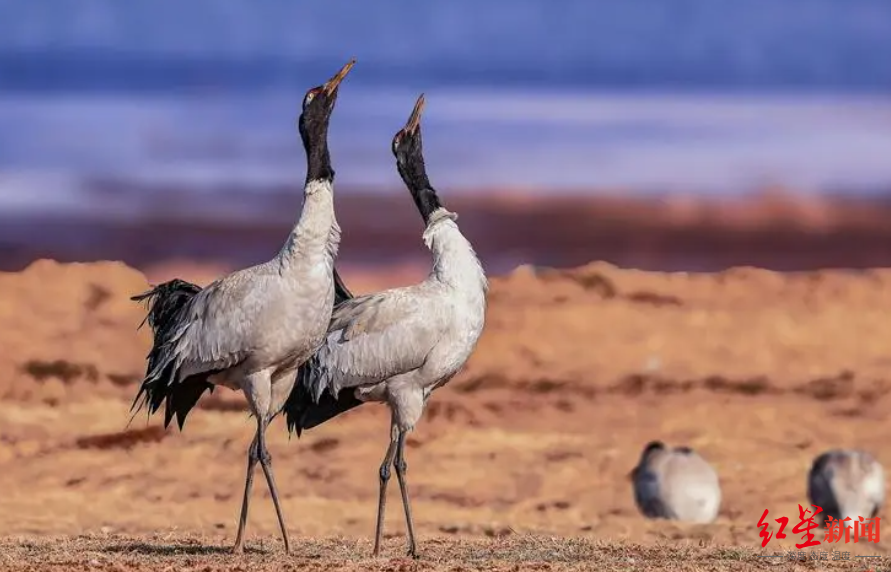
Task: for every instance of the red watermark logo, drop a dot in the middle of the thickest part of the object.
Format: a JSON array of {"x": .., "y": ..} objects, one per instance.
[{"x": 835, "y": 529}]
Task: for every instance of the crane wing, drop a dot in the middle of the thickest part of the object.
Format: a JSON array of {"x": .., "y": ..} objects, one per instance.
[
  {"x": 215, "y": 330},
  {"x": 171, "y": 307},
  {"x": 373, "y": 338},
  {"x": 209, "y": 334}
]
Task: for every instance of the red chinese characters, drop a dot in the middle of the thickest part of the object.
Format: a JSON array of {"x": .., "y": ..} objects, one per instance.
[
  {"x": 783, "y": 520},
  {"x": 805, "y": 525},
  {"x": 866, "y": 529}
]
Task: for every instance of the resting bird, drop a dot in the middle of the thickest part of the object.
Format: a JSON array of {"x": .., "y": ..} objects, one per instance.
[
  {"x": 398, "y": 345},
  {"x": 250, "y": 330},
  {"x": 675, "y": 484},
  {"x": 846, "y": 483}
]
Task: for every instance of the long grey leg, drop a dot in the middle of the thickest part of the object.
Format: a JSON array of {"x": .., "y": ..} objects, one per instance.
[
  {"x": 384, "y": 479},
  {"x": 400, "y": 475},
  {"x": 266, "y": 463},
  {"x": 253, "y": 457}
]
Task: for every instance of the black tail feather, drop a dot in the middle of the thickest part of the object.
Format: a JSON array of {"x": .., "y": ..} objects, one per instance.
[
  {"x": 341, "y": 293},
  {"x": 183, "y": 397},
  {"x": 300, "y": 411},
  {"x": 166, "y": 301}
]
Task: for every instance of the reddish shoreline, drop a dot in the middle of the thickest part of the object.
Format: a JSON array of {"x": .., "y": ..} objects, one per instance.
[{"x": 771, "y": 230}]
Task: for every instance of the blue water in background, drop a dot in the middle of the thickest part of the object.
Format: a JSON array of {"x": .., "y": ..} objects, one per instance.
[{"x": 703, "y": 96}]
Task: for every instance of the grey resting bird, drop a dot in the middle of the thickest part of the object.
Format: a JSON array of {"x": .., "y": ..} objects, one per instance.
[
  {"x": 675, "y": 484},
  {"x": 250, "y": 330},
  {"x": 846, "y": 483},
  {"x": 398, "y": 345}
]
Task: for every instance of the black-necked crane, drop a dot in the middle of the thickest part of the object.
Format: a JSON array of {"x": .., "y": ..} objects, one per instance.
[
  {"x": 250, "y": 330},
  {"x": 398, "y": 345},
  {"x": 846, "y": 483},
  {"x": 676, "y": 484}
]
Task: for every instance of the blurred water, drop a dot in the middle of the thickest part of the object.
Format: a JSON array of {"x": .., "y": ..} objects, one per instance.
[{"x": 699, "y": 95}]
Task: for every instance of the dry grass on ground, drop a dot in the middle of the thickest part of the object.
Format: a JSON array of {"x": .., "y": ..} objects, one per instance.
[{"x": 514, "y": 552}]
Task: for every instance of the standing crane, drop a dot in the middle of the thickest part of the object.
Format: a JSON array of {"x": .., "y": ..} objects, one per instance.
[
  {"x": 846, "y": 483},
  {"x": 676, "y": 484},
  {"x": 398, "y": 345},
  {"x": 252, "y": 329}
]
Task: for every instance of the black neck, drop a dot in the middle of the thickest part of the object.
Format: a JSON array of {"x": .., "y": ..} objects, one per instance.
[
  {"x": 318, "y": 163},
  {"x": 414, "y": 175},
  {"x": 314, "y": 133}
]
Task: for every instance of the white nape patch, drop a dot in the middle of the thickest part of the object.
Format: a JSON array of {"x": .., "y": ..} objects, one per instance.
[
  {"x": 317, "y": 185},
  {"x": 454, "y": 260},
  {"x": 438, "y": 216}
]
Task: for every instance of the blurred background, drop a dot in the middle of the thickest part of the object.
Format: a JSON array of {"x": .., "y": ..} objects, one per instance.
[
  {"x": 682, "y": 134},
  {"x": 669, "y": 135}
]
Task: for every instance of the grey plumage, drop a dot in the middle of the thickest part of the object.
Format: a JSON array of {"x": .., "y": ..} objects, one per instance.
[
  {"x": 675, "y": 484},
  {"x": 846, "y": 483},
  {"x": 250, "y": 330},
  {"x": 398, "y": 345},
  {"x": 373, "y": 338}
]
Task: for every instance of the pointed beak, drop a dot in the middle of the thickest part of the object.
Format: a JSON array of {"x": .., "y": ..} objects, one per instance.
[
  {"x": 331, "y": 85},
  {"x": 415, "y": 120}
]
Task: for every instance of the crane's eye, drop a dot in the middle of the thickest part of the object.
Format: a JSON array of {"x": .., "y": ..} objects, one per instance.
[{"x": 310, "y": 95}]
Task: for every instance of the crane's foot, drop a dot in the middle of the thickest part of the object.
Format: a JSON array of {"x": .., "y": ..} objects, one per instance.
[
  {"x": 238, "y": 549},
  {"x": 412, "y": 553}
]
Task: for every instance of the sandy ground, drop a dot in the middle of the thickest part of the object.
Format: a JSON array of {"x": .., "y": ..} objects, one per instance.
[{"x": 522, "y": 461}]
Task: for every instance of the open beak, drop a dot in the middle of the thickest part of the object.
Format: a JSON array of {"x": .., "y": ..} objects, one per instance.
[
  {"x": 415, "y": 120},
  {"x": 331, "y": 85}
]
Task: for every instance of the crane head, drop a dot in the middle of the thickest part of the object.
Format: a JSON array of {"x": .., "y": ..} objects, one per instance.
[
  {"x": 318, "y": 103},
  {"x": 409, "y": 154},
  {"x": 407, "y": 141},
  {"x": 650, "y": 449},
  {"x": 653, "y": 446}
]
